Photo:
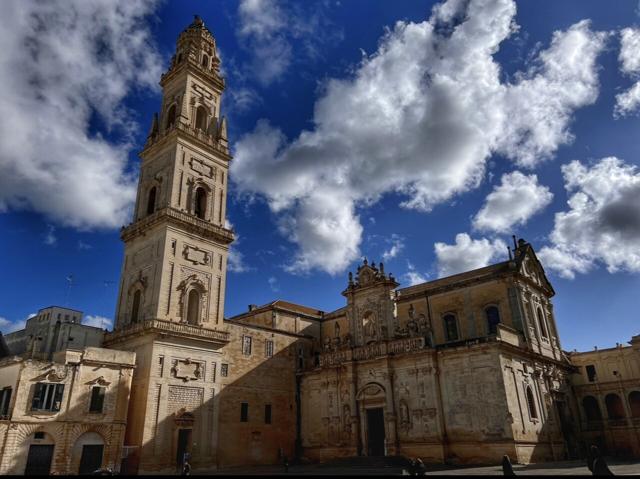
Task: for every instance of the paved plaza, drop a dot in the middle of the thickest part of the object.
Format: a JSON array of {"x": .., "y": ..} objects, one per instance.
[{"x": 565, "y": 468}]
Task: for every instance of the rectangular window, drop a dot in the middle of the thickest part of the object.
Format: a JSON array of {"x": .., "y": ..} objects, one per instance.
[
  {"x": 47, "y": 397},
  {"x": 268, "y": 348},
  {"x": 224, "y": 370},
  {"x": 160, "y": 365},
  {"x": 246, "y": 345},
  {"x": 267, "y": 413},
  {"x": 97, "y": 399},
  {"x": 244, "y": 412},
  {"x": 591, "y": 373},
  {"x": 213, "y": 369},
  {"x": 5, "y": 399}
]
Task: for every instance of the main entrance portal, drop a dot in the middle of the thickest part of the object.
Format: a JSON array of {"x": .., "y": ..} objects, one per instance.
[{"x": 375, "y": 432}]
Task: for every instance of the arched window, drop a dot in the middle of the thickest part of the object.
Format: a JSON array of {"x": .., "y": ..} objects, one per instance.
[
  {"x": 336, "y": 329},
  {"x": 493, "y": 319},
  {"x": 205, "y": 61},
  {"x": 171, "y": 117},
  {"x": 615, "y": 408},
  {"x": 151, "y": 201},
  {"x": 450, "y": 327},
  {"x": 135, "y": 307},
  {"x": 201, "y": 118},
  {"x": 591, "y": 408},
  {"x": 193, "y": 307},
  {"x": 634, "y": 403},
  {"x": 200, "y": 205},
  {"x": 531, "y": 402},
  {"x": 543, "y": 329}
]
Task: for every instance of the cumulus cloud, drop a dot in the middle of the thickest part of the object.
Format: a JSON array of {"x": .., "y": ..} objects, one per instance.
[
  {"x": 64, "y": 65},
  {"x": 412, "y": 276},
  {"x": 420, "y": 117},
  {"x": 467, "y": 254},
  {"x": 602, "y": 224},
  {"x": 513, "y": 202},
  {"x": 397, "y": 245},
  {"x": 98, "y": 322},
  {"x": 627, "y": 102}
]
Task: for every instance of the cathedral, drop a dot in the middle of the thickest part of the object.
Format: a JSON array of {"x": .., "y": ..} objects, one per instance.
[{"x": 460, "y": 370}]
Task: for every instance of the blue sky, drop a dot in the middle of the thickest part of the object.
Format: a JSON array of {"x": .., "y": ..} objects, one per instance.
[{"x": 426, "y": 143}]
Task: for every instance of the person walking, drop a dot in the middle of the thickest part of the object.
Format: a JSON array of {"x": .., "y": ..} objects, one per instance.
[
  {"x": 599, "y": 465},
  {"x": 507, "y": 468}
]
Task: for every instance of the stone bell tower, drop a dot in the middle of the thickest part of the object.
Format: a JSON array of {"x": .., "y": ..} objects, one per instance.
[{"x": 171, "y": 301}]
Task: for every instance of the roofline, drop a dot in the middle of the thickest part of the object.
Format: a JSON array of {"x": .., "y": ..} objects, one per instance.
[
  {"x": 267, "y": 328},
  {"x": 61, "y": 307}
]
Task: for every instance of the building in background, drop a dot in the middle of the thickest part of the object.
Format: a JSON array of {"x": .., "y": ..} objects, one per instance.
[
  {"x": 607, "y": 387},
  {"x": 66, "y": 416},
  {"x": 53, "y": 329}
]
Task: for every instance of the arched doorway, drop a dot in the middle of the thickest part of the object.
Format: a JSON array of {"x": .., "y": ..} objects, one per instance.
[
  {"x": 40, "y": 455},
  {"x": 372, "y": 402},
  {"x": 88, "y": 452}
]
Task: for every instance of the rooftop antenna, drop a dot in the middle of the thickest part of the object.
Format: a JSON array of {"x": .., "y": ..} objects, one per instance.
[
  {"x": 510, "y": 255},
  {"x": 515, "y": 243}
]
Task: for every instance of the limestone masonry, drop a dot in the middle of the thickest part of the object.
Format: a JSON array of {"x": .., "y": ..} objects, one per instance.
[{"x": 462, "y": 369}]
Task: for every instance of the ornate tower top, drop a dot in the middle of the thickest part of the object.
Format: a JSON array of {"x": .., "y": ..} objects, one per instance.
[
  {"x": 369, "y": 275},
  {"x": 196, "y": 47}
]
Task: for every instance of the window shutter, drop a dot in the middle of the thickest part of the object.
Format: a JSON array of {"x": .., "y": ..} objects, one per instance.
[
  {"x": 57, "y": 398},
  {"x": 36, "y": 403}
]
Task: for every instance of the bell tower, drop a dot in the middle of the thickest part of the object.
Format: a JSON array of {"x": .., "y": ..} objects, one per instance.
[
  {"x": 176, "y": 248},
  {"x": 170, "y": 305}
]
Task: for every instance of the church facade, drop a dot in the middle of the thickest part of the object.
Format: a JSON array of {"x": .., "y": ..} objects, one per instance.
[{"x": 462, "y": 369}]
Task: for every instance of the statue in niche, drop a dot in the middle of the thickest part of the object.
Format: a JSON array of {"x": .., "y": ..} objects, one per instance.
[
  {"x": 346, "y": 418},
  {"x": 337, "y": 330},
  {"x": 404, "y": 413},
  {"x": 369, "y": 323},
  {"x": 412, "y": 327}
]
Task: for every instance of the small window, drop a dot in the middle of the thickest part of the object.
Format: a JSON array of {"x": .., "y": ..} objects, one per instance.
[
  {"x": 200, "y": 206},
  {"x": 533, "y": 412},
  {"x": 47, "y": 397},
  {"x": 201, "y": 118},
  {"x": 244, "y": 412},
  {"x": 38, "y": 435},
  {"x": 591, "y": 373},
  {"x": 541, "y": 325},
  {"x": 268, "y": 348},
  {"x": 135, "y": 308},
  {"x": 246, "y": 345},
  {"x": 205, "y": 61},
  {"x": 213, "y": 369},
  {"x": 224, "y": 370},
  {"x": 171, "y": 117},
  {"x": 151, "y": 201},
  {"x": 493, "y": 319},
  {"x": 193, "y": 307},
  {"x": 97, "y": 399},
  {"x": 5, "y": 400},
  {"x": 267, "y": 414},
  {"x": 450, "y": 327}
]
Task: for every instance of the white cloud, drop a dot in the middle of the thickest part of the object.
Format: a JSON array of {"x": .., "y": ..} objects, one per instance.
[
  {"x": 397, "y": 245},
  {"x": 467, "y": 254},
  {"x": 50, "y": 237},
  {"x": 235, "y": 259},
  {"x": 413, "y": 277},
  {"x": 83, "y": 246},
  {"x": 62, "y": 65},
  {"x": 98, "y": 322},
  {"x": 602, "y": 224},
  {"x": 273, "y": 284},
  {"x": 7, "y": 326},
  {"x": 513, "y": 202},
  {"x": 628, "y": 101},
  {"x": 271, "y": 28},
  {"x": 421, "y": 117}
]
